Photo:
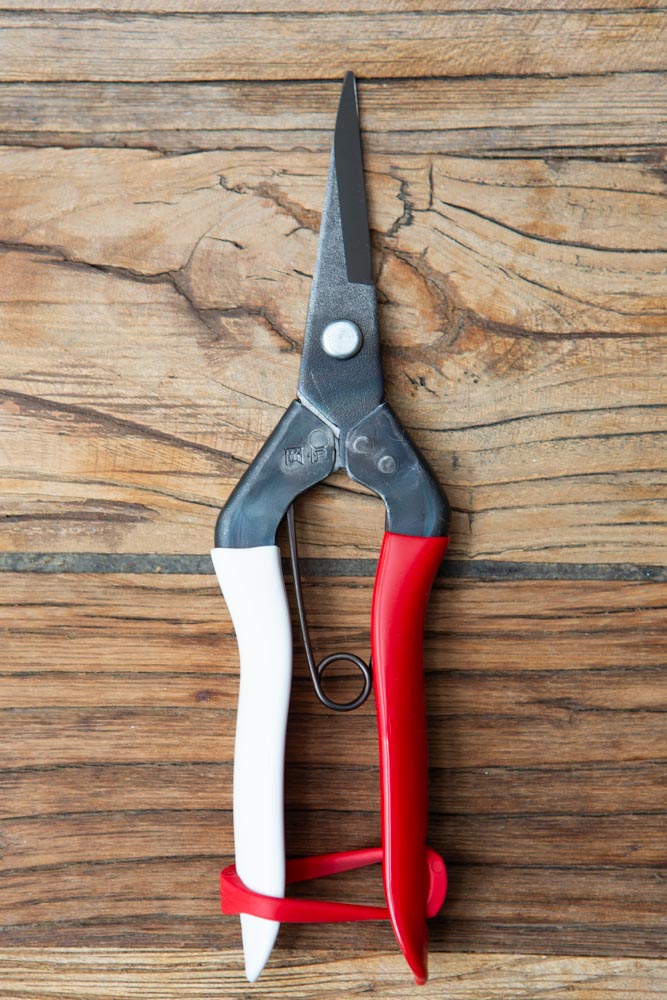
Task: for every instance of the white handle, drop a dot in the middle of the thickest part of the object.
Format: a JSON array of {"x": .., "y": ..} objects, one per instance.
[{"x": 252, "y": 583}]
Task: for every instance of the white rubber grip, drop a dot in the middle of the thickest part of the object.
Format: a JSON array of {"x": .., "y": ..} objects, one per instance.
[{"x": 252, "y": 583}]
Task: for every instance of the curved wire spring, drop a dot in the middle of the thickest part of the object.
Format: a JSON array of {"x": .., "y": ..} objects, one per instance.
[{"x": 317, "y": 669}]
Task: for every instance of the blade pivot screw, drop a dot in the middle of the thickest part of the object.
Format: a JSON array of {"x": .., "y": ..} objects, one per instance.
[
  {"x": 387, "y": 465},
  {"x": 341, "y": 339}
]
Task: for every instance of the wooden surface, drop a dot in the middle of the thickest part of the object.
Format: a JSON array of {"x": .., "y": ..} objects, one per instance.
[
  {"x": 162, "y": 169},
  {"x": 110, "y": 974}
]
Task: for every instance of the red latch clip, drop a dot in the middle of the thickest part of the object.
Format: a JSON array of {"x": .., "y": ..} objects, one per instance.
[{"x": 237, "y": 898}]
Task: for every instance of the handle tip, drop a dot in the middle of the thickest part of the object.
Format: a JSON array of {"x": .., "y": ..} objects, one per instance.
[{"x": 419, "y": 966}]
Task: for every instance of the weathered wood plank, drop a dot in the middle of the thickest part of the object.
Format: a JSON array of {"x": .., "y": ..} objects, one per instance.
[
  {"x": 640, "y": 690},
  {"x": 92, "y": 735},
  {"x": 173, "y": 903},
  {"x": 591, "y": 116},
  {"x": 321, "y": 7},
  {"x": 87, "y": 46},
  {"x": 547, "y": 841},
  {"x": 152, "y": 624},
  {"x": 163, "y": 904},
  {"x": 462, "y": 791},
  {"x": 150, "y": 354},
  {"x": 104, "y": 974}
]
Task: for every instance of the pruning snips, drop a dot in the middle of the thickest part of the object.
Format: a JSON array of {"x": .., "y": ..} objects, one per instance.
[{"x": 339, "y": 420}]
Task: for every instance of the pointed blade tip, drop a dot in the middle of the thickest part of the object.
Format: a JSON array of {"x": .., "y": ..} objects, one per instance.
[
  {"x": 349, "y": 165},
  {"x": 348, "y": 95}
]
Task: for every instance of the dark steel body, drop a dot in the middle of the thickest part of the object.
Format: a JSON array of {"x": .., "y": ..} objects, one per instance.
[{"x": 339, "y": 419}]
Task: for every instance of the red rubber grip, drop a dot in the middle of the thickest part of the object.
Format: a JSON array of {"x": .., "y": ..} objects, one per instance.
[{"x": 405, "y": 574}]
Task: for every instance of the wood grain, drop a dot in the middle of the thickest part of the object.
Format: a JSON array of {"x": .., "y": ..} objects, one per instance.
[
  {"x": 149, "y": 355},
  {"x": 266, "y": 46},
  {"x": 116, "y": 747},
  {"x": 322, "y": 7},
  {"x": 190, "y": 975},
  {"x": 591, "y": 116}
]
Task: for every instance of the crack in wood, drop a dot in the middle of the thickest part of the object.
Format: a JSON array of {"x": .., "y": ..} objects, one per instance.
[{"x": 40, "y": 404}]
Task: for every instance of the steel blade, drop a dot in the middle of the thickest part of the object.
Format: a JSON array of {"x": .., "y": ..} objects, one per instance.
[
  {"x": 350, "y": 182},
  {"x": 343, "y": 388}
]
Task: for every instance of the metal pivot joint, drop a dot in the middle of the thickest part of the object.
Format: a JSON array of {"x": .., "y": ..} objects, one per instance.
[
  {"x": 301, "y": 452},
  {"x": 380, "y": 455},
  {"x": 341, "y": 339}
]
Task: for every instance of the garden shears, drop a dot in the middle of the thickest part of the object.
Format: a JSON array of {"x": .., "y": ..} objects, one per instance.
[{"x": 339, "y": 420}]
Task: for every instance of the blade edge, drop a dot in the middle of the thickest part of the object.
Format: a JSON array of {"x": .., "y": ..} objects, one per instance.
[{"x": 348, "y": 159}]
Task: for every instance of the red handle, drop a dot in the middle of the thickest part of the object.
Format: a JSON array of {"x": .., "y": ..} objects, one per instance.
[{"x": 405, "y": 574}]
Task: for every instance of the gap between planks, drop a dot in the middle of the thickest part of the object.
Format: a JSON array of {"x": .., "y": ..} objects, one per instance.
[{"x": 200, "y": 565}]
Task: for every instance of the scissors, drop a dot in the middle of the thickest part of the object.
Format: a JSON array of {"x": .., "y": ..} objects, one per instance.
[{"x": 339, "y": 420}]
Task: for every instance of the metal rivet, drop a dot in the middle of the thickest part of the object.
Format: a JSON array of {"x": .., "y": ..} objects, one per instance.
[
  {"x": 319, "y": 438},
  {"x": 341, "y": 339},
  {"x": 361, "y": 444},
  {"x": 387, "y": 464}
]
